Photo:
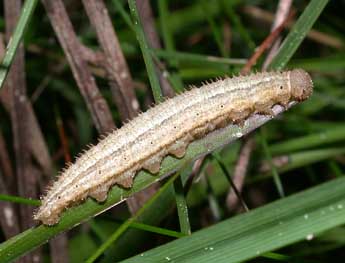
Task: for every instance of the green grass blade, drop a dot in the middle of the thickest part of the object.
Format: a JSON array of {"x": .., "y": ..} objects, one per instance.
[
  {"x": 169, "y": 43},
  {"x": 19, "y": 200},
  {"x": 226, "y": 173},
  {"x": 267, "y": 153},
  {"x": 181, "y": 205},
  {"x": 237, "y": 23},
  {"x": 164, "y": 16},
  {"x": 157, "y": 230},
  {"x": 24, "y": 19},
  {"x": 298, "y": 33},
  {"x": 299, "y": 217},
  {"x": 214, "y": 29},
  {"x": 124, "y": 14},
  {"x": 196, "y": 58},
  {"x": 328, "y": 136},
  {"x": 300, "y": 159},
  {"x": 150, "y": 67},
  {"x": 320, "y": 64}
]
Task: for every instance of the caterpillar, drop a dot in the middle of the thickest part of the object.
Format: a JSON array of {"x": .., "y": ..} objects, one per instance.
[{"x": 168, "y": 128}]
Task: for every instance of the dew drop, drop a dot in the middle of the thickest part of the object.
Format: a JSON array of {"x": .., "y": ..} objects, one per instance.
[
  {"x": 309, "y": 237},
  {"x": 306, "y": 216},
  {"x": 167, "y": 258},
  {"x": 340, "y": 206}
]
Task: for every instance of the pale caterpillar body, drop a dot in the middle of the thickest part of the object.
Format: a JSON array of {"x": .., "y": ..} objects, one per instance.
[{"x": 168, "y": 128}]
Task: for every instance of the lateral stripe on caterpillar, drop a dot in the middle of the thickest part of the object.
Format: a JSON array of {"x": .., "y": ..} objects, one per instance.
[{"x": 168, "y": 128}]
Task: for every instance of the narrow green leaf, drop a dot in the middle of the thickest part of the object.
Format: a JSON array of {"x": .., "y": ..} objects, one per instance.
[
  {"x": 328, "y": 136},
  {"x": 215, "y": 29},
  {"x": 19, "y": 200},
  {"x": 298, "y": 33},
  {"x": 196, "y": 58},
  {"x": 276, "y": 177},
  {"x": 167, "y": 35},
  {"x": 236, "y": 21},
  {"x": 320, "y": 64},
  {"x": 123, "y": 14},
  {"x": 24, "y": 19},
  {"x": 150, "y": 67},
  {"x": 169, "y": 43},
  {"x": 228, "y": 177},
  {"x": 300, "y": 159},
  {"x": 181, "y": 205},
  {"x": 157, "y": 230},
  {"x": 298, "y": 217}
]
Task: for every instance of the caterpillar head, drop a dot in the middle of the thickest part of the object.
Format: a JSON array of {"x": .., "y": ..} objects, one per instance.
[{"x": 301, "y": 84}]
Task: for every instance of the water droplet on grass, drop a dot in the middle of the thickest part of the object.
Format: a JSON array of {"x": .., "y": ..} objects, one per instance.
[{"x": 309, "y": 237}]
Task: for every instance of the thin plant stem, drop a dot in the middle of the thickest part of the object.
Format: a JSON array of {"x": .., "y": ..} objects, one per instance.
[
  {"x": 150, "y": 67},
  {"x": 19, "y": 200},
  {"x": 182, "y": 208},
  {"x": 268, "y": 155},
  {"x": 25, "y": 17}
]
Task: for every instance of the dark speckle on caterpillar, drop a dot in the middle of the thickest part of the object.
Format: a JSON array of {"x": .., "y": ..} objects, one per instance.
[{"x": 169, "y": 128}]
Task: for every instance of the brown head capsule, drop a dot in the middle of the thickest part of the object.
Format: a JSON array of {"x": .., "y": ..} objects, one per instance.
[{"x": 301, "y": 84}]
